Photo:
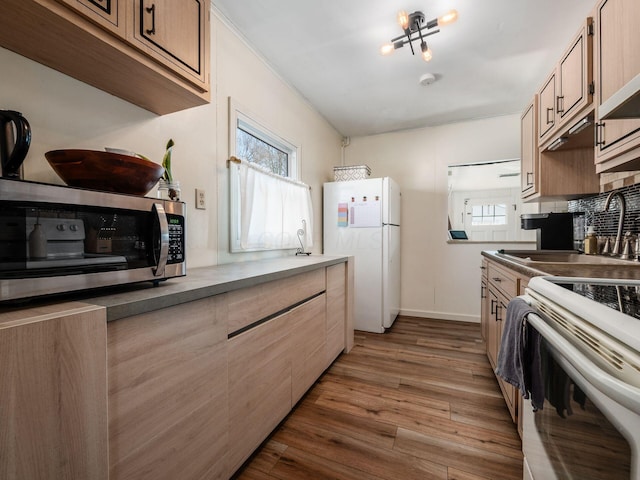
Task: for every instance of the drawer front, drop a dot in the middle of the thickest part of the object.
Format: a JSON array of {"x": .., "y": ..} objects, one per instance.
[
  {"x": 503, "y": 280},
  {"x": 252, "y": 304}
]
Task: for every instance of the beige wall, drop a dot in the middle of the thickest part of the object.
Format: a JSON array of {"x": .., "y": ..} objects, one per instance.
[
  {"x": 65, "y": 113},
  {"x": 439, "y": 280}
]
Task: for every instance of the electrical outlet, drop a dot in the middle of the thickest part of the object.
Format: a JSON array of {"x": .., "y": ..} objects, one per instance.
[{"x": 201, "y": 199}]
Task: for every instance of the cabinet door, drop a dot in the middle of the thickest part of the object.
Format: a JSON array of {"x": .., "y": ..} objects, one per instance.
[
  {"x": 259, "y": 385},
  {"x": 175, "y": 31},
  {"x": 617, "y": 61},
  {"x": 575, "y": 74},
  {"x": 529, "y": 150},
  {"x": 53, "y": 394},
  {"x": 484, "y": 309},
  {"x": 547, "y": 108},
  {"x": 106, "y": 13},
  {"x": 493, "y": 327},
  {"x": 167, "y": 374},
  {"x": 336, "y": 311},
  {"x": 308, "y": 344}
]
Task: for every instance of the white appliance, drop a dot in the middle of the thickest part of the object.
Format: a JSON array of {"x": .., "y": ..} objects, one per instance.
[
  {"x": 362, "y": 219},
  {"x": 589, "y": 426}
]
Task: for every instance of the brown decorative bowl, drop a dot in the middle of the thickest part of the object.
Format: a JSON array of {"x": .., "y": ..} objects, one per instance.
[{"x": 105, "y": 171}]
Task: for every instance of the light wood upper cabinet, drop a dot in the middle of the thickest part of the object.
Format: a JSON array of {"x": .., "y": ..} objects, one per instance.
[
  {"x": 568, "y": 92},
  {"x": 173, "y": 31},
  {"x": 529, "y": 149},
  {"x": 547, "y": 108},
  {"x": 575, "y": 75},
  {"x": 107, "y": 13},
  {"x": 617, "y": 61},
  {"x": 154, "y": 54}
]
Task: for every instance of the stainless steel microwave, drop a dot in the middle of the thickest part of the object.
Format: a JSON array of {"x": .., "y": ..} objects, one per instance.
[{"x": 56, "y": 239}]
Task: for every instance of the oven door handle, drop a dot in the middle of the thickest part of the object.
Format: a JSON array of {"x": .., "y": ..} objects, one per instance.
[{"x": 621, "y": 392}]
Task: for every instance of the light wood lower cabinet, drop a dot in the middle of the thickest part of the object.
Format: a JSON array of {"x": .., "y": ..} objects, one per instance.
[
  {"x": 53, "y": 394},
  {"x": 336, "y": 311},
  {"x": 502, "y": 285},
  {"x": 259, "y": 386},
  {"x": 186, "y": 392},
  {"x": 168, "y": 393}
]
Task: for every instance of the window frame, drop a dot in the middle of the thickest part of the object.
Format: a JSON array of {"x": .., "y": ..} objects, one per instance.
[{"x": 238, "y": 115}]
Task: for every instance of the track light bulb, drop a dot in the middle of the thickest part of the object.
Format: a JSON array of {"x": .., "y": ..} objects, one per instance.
[
  {"x": 403, "y": 19},
  {"x": 449, "y": 17},
  {"x": 426, "y": 52},
  {"x": 387, "y": 49}
]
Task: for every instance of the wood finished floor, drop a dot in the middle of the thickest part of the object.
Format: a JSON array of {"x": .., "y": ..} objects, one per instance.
[{"x": 418, "y": 402}]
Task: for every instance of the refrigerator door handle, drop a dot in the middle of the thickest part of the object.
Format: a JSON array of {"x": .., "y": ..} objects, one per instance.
[{"x": 391, "y": 224}]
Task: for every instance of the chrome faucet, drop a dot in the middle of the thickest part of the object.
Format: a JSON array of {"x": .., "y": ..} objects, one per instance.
[{"x": 617, "y": 247}]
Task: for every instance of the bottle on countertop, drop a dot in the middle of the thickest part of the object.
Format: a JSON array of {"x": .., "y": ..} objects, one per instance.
[
  {"x": 591, "y": 241},
  {"x": 37, "y": 242}
]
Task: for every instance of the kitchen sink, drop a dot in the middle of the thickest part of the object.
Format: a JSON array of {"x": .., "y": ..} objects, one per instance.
[{"x": 535, "y": 257}]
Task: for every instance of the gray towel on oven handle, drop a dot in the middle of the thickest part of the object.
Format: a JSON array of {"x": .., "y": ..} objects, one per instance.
[{"x": 519, "y": 355}]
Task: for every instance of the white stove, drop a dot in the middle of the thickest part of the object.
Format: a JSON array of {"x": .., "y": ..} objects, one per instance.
[{"x": 589, "y": 426}]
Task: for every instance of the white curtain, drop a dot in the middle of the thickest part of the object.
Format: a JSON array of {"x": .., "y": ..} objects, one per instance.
[{"x": 272, "y": 210}]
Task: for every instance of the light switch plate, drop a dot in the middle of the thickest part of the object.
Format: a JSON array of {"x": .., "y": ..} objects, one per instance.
[{"x": 201, "y": 199}]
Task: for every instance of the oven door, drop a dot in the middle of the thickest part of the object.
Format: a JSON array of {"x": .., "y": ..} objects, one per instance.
[{"x": 589, "y": 426}]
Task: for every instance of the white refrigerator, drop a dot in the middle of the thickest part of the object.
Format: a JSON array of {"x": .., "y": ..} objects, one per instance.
[{"x": 362, "y": 219}]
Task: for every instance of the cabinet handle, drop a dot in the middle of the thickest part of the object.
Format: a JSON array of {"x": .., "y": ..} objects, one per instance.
[
  {"x": 549, "y": 110},
  {"x": 498, "y": 310},
  {"x": 152, "y": 11},
  {"x": 559, "y": 100},
  {"x": 529, "y": 182},
  {"x": 482, "y": 267},
  {"x": 599, "y": 132},
  {"x": 482, "y": 295},
  {"x": 497, "y": 279},
  {"x": 493, "y": 305}
]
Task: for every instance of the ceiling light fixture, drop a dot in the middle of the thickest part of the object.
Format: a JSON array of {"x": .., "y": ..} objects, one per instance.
[{"x": 414, "y": 25}]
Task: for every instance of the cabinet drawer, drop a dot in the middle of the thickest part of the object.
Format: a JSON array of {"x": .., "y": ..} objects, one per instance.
[
  {"x": 252, "y": 304},
  {"x": 503, "y": 280}
]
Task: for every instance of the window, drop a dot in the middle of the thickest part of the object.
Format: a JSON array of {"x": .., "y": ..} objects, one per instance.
[
  {"x": 489, "y": 214},
  {"x": 255, "y": 149},
  {"x": 268, "y": 206}
]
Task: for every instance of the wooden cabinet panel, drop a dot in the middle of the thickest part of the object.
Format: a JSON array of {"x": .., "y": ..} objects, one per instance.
[
  {"x": 167, "y": 389},
  {"x": 529, "y": 149},
  {"x": 503, "y": 280},
  {"x": 249, "y": 305},
  {"x": 173, "y": 31},
  {"x": 575, "y": 75},
  {"x": 308, "y": 345},
  {"x": 547, "y": 108},
  {"x": 259, "y": 385},
  {"x": 336, "y": 311},
  {"x": 616, "y": 62},
  {"x": 106, "y": 13},
  {"x": 53, "y": 396}
]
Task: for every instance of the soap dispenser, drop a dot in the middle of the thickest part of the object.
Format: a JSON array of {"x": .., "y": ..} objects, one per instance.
[
  {"x": 37, "y": 242},
  {"x": 591, "y": 241}
]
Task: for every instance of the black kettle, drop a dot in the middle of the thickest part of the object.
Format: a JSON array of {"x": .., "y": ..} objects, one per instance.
[{"x": 15, "y": 138}]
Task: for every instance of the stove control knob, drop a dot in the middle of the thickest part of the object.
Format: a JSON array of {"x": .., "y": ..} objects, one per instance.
[
  {"x": 62, "y": 227},
  {"x": 73, "y": 228}
]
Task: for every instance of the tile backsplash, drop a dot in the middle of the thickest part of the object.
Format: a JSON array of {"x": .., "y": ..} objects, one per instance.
[{"x": 606, "y": 223}]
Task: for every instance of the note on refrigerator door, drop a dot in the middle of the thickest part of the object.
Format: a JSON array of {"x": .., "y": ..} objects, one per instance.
[
  {"x": 343, "y": 209},
  {"x": 365, "y": 214}
]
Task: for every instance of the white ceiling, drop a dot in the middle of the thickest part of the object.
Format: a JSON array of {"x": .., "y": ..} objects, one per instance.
[{"x": 488, "y": 63}]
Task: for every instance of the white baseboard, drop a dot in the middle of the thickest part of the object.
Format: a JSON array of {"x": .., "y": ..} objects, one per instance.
[{"x": 457, "y": 317}]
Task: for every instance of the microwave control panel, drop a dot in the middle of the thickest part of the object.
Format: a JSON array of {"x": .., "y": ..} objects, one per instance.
[{"x": 176, "y": 238}]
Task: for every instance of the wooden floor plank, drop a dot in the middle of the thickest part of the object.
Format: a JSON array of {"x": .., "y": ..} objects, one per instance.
[{"x": 419, "y": 401}]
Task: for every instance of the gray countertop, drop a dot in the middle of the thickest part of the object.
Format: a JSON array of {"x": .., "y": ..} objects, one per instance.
[{"x": 125, "y": 301}]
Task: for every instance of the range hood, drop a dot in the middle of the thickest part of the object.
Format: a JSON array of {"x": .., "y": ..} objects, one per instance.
[{"x": 625, "y": 103}]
